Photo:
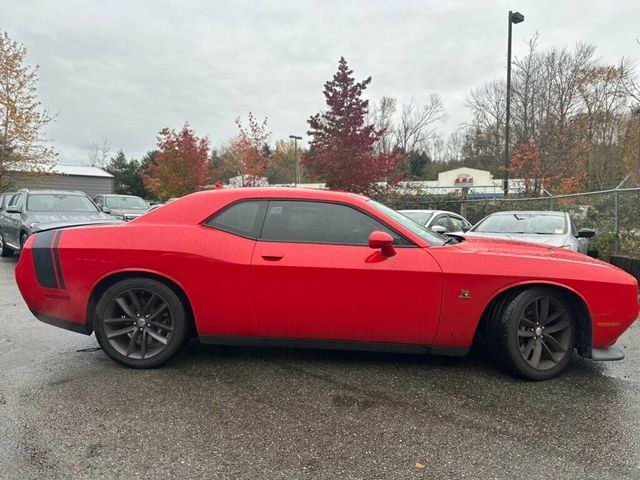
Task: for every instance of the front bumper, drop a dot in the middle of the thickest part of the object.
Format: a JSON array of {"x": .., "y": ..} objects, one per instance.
[{"x": 610, "y": 354}]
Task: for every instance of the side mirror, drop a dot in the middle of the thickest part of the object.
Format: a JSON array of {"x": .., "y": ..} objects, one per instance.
[
  {"x": 106, "y": 210},
  {"x": 586, "y": 233},
  {"x": 466, "y": 228},
  {"x": 383, "y": 241},
  {"x": 439, "y": 229},
  {"x": 13, "y": 209}
]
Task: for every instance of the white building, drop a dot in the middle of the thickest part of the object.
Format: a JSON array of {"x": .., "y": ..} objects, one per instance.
[{"x": 479, "y": 182}]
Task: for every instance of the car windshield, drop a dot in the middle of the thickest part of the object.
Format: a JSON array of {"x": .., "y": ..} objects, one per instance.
[
  {"x": 524, "y": 223},
  {"x": 60, "y": 202},
  {"x": 421, "y": 217},
  {"x": 126, "y": 203},
  {"x": 428, "y": 236}
]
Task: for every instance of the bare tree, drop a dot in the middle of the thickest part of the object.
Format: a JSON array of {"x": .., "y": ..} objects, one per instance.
[
  {"x": 99, "y": 153},
  {"x": 382, "y": 117},
  {"x": 415, "y": 125}
]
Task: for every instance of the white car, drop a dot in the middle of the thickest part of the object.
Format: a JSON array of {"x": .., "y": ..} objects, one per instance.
[
  {"x": 556, "y": 229},
  {"x": 440, "y": 221}
]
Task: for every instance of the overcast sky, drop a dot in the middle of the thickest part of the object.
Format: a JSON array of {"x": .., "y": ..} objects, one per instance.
[{"x": 123, "y": 70}]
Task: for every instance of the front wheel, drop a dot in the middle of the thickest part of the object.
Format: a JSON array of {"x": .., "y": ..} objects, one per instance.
[
  {"x": 140, "y": 323},
  {"x": 532, "y": 334},
  {"x": 5, "y": 251}
]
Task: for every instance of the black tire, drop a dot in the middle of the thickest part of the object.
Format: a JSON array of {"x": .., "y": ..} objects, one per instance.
[
  {"x": 23, "y": 239},
  {"x": 532, "y": 334},
  {"x": 137, "y": 312},
  {"x": 4, "y": 250}
]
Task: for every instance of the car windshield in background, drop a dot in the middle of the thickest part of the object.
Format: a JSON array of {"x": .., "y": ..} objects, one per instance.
[
  {"x": 428, "y": 236},
  {"x": 421, "y": 217},
  {"x": 55, "y": 202},
  {"x": 126, "y": 203},
  {"x": 527, "y": 223}
]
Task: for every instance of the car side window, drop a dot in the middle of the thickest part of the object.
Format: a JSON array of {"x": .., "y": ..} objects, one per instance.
[
  {"x": 574, "y": 230},
  {"x": 242, "y": 218},
  {"x": 321, "y": 222},
  {"x": 457, "y": 224},
  {"x": 443, "y": 221},
  {"x": 16, "y": 201}
]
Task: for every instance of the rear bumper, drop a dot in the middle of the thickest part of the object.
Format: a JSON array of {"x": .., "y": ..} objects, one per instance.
[
  {"x": 66, "y": 324},
  {"x": 610, "y": 354}
]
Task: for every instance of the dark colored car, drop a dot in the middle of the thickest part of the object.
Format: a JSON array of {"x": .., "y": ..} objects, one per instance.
[
  {"x": 27, "y": 212},
  {"x": 123, "y": 207}
]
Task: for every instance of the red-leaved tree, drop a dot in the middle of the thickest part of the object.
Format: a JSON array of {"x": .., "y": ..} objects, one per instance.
[
  {"x": 342, "y": 148},
  {"x": 181, "y": 165}
]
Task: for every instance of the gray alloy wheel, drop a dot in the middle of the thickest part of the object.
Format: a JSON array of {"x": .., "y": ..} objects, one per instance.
[
  {"x": 531, "y": 333},
  {"x": 4, "y": 250},
  {"x": 140, "y": 323},
  {"x": 545, "y": 333}
]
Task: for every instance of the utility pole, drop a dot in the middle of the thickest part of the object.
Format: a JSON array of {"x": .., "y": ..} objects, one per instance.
[
  {"x": 514, "y": 17},
  {"x": 295, "y": 154}
]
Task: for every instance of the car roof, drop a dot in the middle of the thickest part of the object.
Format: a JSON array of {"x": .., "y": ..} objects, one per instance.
[
  {"x": 118, "y": 195},
  {"x": 52, "y": 192},
  {"x": 529, "y": 212},
  {"x": 196, "y": 207},
  {"x": 434, "y": 212}
]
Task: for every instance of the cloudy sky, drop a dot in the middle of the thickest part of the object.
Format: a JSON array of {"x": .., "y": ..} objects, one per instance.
[{"x": 123, "y": 69}]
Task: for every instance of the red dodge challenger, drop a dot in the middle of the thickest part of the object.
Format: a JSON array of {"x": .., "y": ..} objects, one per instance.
[{"x": 313, "y": 268}]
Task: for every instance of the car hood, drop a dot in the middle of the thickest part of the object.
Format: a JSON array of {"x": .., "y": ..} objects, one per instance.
[
  {"x": 48, "y": 221},
  {"x": 553, "y": 240},
  {"x": 496, "y": 246},
  {"x": 127, "y": 211}
]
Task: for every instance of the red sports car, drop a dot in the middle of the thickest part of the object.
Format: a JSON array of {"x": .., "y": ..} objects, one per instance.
[{"x": 295, "y": 267}]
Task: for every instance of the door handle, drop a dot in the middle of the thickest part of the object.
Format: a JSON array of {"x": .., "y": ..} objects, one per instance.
[{"x": 273, "y": 257}]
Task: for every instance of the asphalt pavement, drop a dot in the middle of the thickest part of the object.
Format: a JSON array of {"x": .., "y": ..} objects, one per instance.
[{"x": 67, "y": 411}]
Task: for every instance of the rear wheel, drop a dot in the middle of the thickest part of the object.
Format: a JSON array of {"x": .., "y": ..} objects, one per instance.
[
  {"x": 532, "y": 334},
  {"x": 140, "y": 323},
  {"x": 5, "y": 251}
]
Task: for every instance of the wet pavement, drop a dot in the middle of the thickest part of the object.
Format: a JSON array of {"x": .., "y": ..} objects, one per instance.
[{"x": 67, "y": 411}]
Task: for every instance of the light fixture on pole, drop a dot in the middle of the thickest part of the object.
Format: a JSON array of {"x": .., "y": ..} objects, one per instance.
[
  {"x": 295, "y": 154},
  {"x": 514, "y": 17}
]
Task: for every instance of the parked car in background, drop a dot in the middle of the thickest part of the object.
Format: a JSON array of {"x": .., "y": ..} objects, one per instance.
[
  {"x": 550, "y": 228},
  {"x": 31, "y": 211},
  {"x": 439, "y": 221},
  {"x": 123, "y": 207}
]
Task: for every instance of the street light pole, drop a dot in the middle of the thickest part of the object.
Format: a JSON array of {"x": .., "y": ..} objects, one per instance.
[
  {"x": 295, "y": 154},
  {"x": 514, "y": 17}
]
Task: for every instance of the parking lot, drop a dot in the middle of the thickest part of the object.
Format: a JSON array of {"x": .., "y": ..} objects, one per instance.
[{"x": 66, "y": 411}]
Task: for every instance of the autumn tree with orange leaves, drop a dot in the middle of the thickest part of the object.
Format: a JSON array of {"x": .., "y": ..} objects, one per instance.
[
  {"x": 247, "y": 158},
  {"x": 22, "y": 116},
  {"x": 182, "y": 164}
]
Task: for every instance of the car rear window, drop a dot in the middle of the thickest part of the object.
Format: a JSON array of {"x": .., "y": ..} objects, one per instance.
[
  {"x": 60, "y": 202},
  {"x": 243, "y": 218}
]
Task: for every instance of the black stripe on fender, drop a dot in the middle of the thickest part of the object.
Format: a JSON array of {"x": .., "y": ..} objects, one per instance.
[
  {"x": 56, "y": 258},
  {"x": 43, "y": 259}
]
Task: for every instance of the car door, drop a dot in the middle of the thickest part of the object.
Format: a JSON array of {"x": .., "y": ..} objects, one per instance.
[
  {"x": 13, "y": 220},
  {"x": 315, "y": 277}
]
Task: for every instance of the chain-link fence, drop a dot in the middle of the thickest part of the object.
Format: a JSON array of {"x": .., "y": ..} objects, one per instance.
[{"x": 613, "y": 214}]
